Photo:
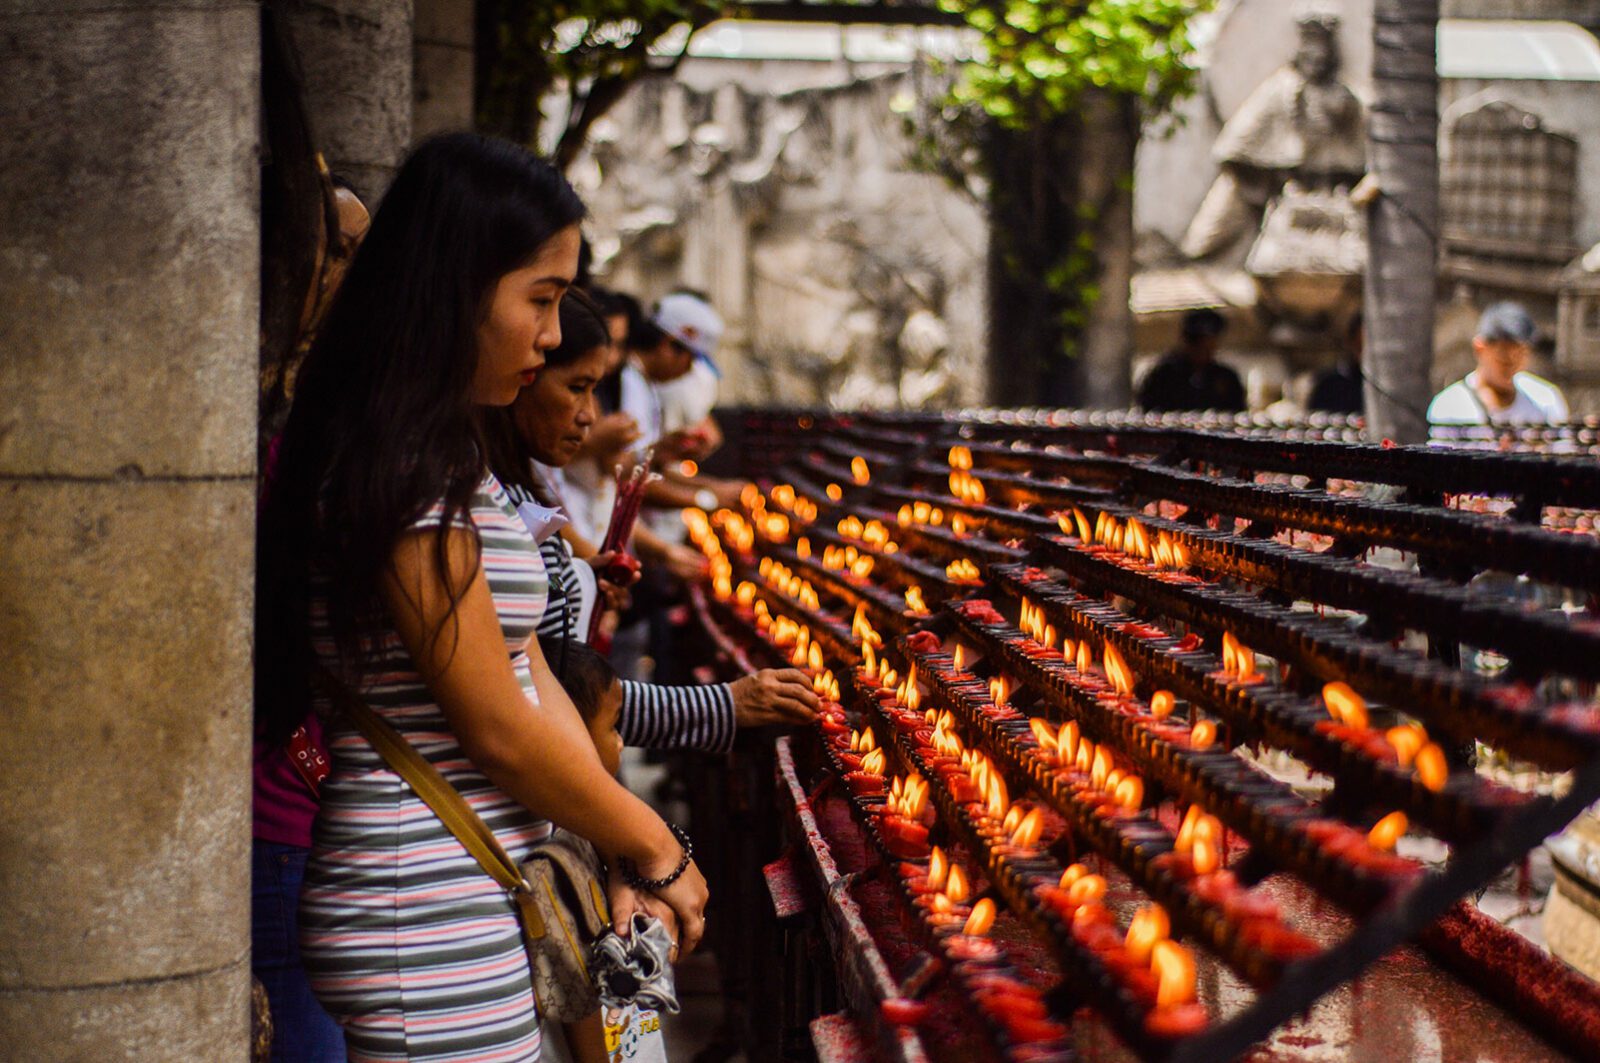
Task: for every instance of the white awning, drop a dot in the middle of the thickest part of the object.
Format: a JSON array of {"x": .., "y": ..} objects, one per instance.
[{"x": 1517, "y": 50}]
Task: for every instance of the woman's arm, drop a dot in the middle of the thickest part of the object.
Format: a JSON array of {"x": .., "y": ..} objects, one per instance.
[
  {"x": 538, "y": 752},
  {"x": 705, "y": 717}
]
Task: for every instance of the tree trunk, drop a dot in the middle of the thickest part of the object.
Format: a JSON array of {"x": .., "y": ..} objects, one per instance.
[
  {"x": 1033, "y": 225},
  {"x": 1110, "y": 138},
  {"x": 1403, "y": 222}
]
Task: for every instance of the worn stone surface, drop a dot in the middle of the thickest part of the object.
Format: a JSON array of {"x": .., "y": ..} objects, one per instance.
[
  {"x": 126, "y": 153},
  {"x": 201, "y": 1018},
  {"x": 786, "y": 190},
  {"x": 356, "y": 55},
  {"x": 128, "y": 332},
  {"x": 441, "y": 91},
  {"x": 125, "y": 612}
]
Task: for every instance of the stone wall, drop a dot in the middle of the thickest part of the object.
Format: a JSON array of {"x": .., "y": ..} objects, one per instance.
[
  {"x": 128, "y": 321},
  {"x": 783, "y": 189}
]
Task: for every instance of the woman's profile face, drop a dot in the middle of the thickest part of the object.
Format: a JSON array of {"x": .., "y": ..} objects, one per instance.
[
  {"x": 521, "y": 321},
  {"x": 555, "y": 412}
]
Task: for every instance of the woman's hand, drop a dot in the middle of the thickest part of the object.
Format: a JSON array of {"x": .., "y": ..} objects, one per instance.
[
  {"x": 616, "y": 567},
  {"x": 685, "y": 562},
  {"x": 624, "y": 901},
  {"x": 774, "y": 695},
  {"x": 611, "y": 435},
  {"x": 686, "y": 897}
]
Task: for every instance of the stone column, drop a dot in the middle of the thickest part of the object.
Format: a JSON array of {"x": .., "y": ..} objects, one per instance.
[
  {"x": 441, "y": 87},
  {"x": 356, "y": 58},
  {"x": 128, "y": 318}
]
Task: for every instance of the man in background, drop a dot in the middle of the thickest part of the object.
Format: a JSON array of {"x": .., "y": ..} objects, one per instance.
[
  {"x": 1500, "y": 390},
  {"x": 1188, "y": 377}
]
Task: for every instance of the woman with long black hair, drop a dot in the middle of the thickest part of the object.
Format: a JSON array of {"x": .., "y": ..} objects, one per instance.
[{"x": 392, "y": 562}]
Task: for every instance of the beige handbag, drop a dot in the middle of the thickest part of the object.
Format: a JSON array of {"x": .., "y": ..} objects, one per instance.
[{"x": 557, "y": 893}]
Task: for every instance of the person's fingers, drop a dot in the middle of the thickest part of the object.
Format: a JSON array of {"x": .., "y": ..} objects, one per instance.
[
  {"x": 623, "y": 906},
  {"x": 790, "y": 675},
  {"x": 693, "y": 930},
  {"x": 800, "y": 692},
  {"x": 794, "y": 710}
]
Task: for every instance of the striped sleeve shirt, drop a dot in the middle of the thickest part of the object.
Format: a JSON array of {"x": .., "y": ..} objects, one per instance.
[{"x": 653, "y": 717}]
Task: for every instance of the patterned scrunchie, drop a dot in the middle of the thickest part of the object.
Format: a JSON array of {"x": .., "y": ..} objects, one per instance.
[{"x": 634, "y": 969}]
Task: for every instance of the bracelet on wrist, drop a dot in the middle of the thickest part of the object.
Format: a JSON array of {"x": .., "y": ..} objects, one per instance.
[{"x": 630, "y": 872}]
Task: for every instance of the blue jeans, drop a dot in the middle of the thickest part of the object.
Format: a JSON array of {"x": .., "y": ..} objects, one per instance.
[{"x": 301, "y": 1031}]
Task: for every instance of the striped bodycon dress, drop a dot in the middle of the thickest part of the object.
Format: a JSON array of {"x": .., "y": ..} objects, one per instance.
[{"x": 408, "y": 943}]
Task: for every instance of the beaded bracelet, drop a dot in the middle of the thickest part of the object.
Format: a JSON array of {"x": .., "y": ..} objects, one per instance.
[{"x": 630, "y": 873}]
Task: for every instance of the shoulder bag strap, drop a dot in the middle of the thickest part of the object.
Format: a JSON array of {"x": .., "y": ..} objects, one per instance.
[{"x": 434, "y": 789}]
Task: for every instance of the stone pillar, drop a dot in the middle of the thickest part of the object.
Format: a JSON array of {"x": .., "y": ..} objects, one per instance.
[
  {"x": 441, "y": 87},
  {"x": 128, "y": 317},
  {"x": 356, "y": 59}
]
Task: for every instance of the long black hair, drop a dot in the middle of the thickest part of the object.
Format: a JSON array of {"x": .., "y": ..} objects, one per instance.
[
  {"x": 383, "y": 425},
  {"x": 583, "y": 328}
]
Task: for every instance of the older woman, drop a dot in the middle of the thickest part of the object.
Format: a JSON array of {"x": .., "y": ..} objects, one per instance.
[{"x": 545, "y": 430}]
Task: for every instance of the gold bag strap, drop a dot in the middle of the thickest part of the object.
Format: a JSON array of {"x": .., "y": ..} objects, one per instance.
[{"x": 445, "y": 800}]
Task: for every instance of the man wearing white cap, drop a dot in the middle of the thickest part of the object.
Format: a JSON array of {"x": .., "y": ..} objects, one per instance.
[{"x": 679, "y": 367}]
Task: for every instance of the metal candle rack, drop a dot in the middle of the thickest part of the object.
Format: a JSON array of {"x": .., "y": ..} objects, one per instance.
[{"x": 1249, "y": 570}]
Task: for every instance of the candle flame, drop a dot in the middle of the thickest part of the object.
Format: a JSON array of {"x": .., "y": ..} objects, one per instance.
[
  {"x": 961, "y": 657},
  {"x": 835, "y": 492},
  {"x": 874, "y": 762},
  {"x": 938, "y": 867},
  {"x": 1117, "y": 670},
  {"x": 956, "y": 886},
  {"x": 859, "y": 471},
  {"x": 1205, "y": 856},
  {"x": 1406, "y": 739},
  {"x": 1086, "y": 889},
  {"x": 1162, "y": 702},
  {"x": 1203, "y": 735},
  {"x": 998, "y": 801},
  {"x": 1185, "y": 839},
  {"x": 1432, "y": 769},
  {"x": 1345, "y": 705},
  {"x": 1100, "y": 767},
  {"x": 999, "y": 690},
  {"x": 1067, "y": 741},
  {"x": 960, "y": 457},
  {"x": 1148, "y": 926},
  {"x": 1238, "y": 660},
  {"x": 958, "y": 525},
  {"x": 1085, "y": 660},
  {"x": 814, "y": 658},
  {"x": 1029, "y": 831},
  {"x": 1072, "y": 874},
  {"x": 962, "y": 570},
  {"x": 981, "y": 919},
  {"x": 1043, "y": 733},
  {"x": 1173, "y": 966},
  {"x": 1129, "y": 793},
  {"x": 914, "y": 602},
  {"x": 1386, "y": 833}
]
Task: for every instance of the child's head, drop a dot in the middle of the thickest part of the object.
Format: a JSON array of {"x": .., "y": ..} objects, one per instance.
[{"x": 592, "y": 684}]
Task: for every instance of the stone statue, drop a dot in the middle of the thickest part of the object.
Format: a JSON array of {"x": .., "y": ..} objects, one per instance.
[{"x": 1302, "y": 124}]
